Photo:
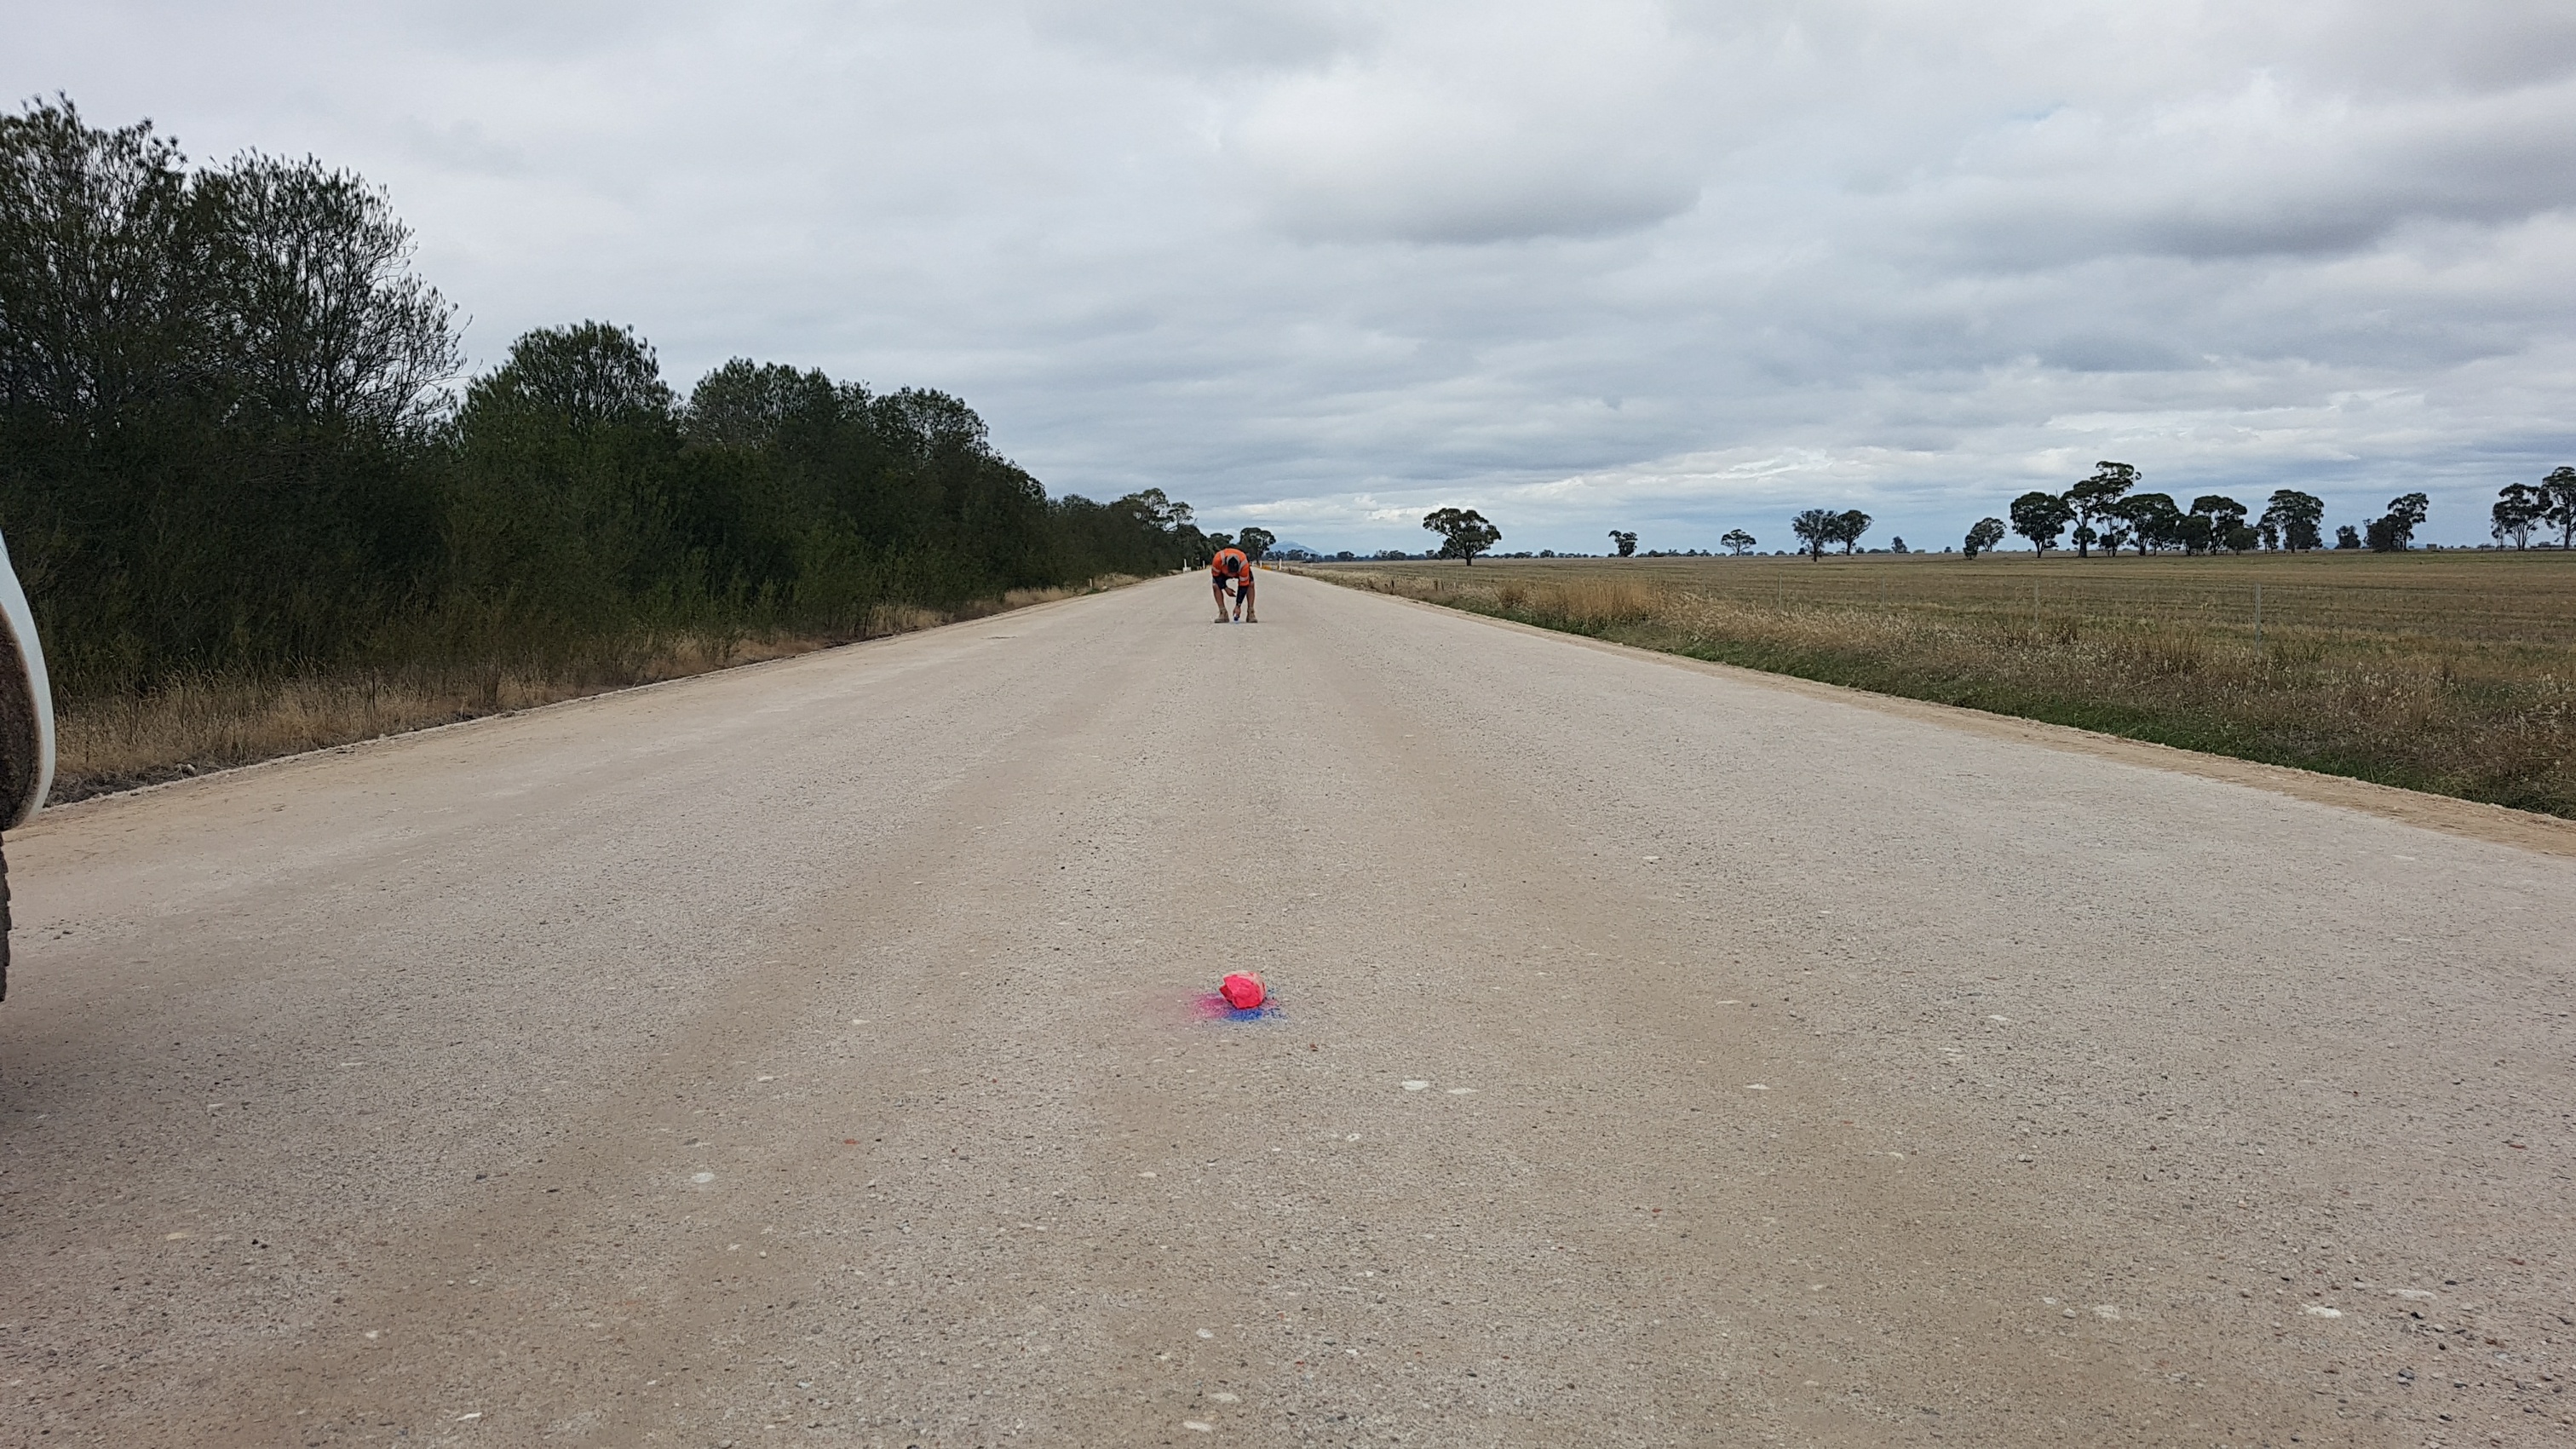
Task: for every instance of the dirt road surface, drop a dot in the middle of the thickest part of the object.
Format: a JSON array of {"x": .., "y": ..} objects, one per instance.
[{"x": 813, "y": 1054}]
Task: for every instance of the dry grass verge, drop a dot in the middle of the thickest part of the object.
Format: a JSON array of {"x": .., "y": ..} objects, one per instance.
[
  {"x": 2453, "y": 673},
  {"x": 216, "y": 721}
]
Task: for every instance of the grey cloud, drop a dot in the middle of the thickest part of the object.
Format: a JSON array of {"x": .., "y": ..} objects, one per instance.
[
  {"x": 1338, "y": 262},
  {"x": 2258, "y": 174},
  {"x": 1193, "y": 35},
  {"x": 1472, "y": 206},
  {"x": 1577, "y": 124}
]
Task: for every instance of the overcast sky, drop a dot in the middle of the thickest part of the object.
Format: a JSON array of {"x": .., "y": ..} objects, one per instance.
[{"x": 1675, "y": 267}]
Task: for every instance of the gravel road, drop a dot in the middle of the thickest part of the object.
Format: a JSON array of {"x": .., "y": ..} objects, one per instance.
[{"x": 815, "y": 1053}]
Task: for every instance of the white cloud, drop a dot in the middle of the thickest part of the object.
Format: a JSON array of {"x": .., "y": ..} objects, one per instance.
[{"x": 1495, "y": 122}]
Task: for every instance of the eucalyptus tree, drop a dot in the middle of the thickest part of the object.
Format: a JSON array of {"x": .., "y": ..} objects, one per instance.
[
  {"x": 1464, "y": 533},
  {"x": 2519, "y": 508},
  {"x": 2089, "y": 501},
  {"x": 2559, "y": 489},
  {"x": 2041, "y": 518},
  {"x": 1814, "y": 528},
  {"x": 2297, "y": 518}
]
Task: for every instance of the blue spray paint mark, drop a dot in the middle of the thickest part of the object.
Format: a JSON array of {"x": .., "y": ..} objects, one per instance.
[{"x": 1213, "y": 1007}]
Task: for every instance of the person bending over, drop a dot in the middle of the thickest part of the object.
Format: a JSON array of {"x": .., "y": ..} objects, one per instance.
[{"x": 1231, "y": 566}]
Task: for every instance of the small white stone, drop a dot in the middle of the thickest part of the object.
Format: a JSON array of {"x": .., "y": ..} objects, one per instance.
[
  {"x": 1415, "y": 1086},
  {"x": 2322, "y": 1311},
  {"x": 702, "y": 1177}
]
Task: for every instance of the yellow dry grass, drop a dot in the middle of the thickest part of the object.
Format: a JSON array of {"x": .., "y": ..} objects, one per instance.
[{"x": 215, "y": 721}]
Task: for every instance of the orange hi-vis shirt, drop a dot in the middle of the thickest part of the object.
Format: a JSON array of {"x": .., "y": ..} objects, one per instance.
[{"x": 1230, "y": 564}]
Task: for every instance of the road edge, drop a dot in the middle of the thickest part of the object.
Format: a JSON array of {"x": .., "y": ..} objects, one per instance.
[{"x": 725, "y": 671}]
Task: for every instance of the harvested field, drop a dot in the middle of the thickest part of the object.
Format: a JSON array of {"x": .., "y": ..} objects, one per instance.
[{"x": 2452, "y": 672}]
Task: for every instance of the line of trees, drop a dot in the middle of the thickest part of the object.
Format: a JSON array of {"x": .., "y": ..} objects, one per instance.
[
  {"x": 2107, "y": 510},
  {"x": 1734, "y": 540},
  {"x": 229, "y": 439},
  {"x": 2521, "y": 509}
]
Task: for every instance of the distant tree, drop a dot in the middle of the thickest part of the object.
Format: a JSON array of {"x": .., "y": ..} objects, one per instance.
[
  {"x": 2519, "y": 508},
  {"x": 1255, "y": 542},
  {"x": 2394, "y": 531},
  {"x": 1849, "y": 525},
  {"x": 2041, "y": 518},
  {"x": 1897, "y": 545},
  {"x": 2225, "y": 519},
  {"x": 584, "y": 377},
  {"x": 2089, "y": 500},
  {"x": 2346, "y": 536},
  {"x": 2297, "y": 518},
  {"x": 2559, "y": 488},
  {"x": 1218, "y": 543},
  {"x": 745, "y": 406},
  {"x": 1153, "y": 509},
  {"x": 1985, "y": 535},
  {"x": 1737, "y": 540},
  {"x": 564, "y": 490},
  {"x": 1627, "y": 542},
  {"x": 2154, "y": 522},
  {"x": 1464, "y": 533},
  {"x": 1815, "y": 528}
]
